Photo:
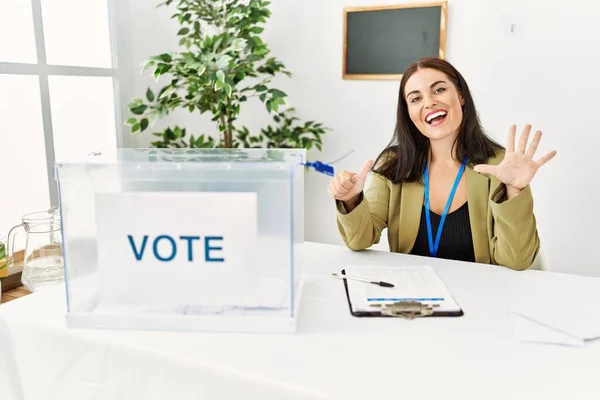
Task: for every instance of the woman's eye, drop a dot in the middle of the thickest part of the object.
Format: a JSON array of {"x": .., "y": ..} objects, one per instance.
[
  {"x": 415, "y": 99},
  {"x": 439, "y": 90}
]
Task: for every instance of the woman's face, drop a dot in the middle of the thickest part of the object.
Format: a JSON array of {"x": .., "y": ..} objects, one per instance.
[{"x": 434, "y": 104}]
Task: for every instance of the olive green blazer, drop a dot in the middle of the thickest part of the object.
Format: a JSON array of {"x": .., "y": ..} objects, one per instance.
[{"x": 504, "y": 231}]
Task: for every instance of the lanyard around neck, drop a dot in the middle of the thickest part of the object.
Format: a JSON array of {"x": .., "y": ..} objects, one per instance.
[{"x": 433, "y": 248}]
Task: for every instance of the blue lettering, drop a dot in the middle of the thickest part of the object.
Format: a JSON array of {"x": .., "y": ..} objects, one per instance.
[
  {"x": 208, "y": 248},
  {"x": 168, "y": 255},
  {"x": 173, "y": 248},
  {"x": 138, "y": 254},
  {"x": 189, "y": 240}
]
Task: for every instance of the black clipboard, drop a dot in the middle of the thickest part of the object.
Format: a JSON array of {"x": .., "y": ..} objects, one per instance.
[{"x": 458, "y": 313}]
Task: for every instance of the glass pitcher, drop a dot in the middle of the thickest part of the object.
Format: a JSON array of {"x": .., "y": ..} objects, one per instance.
[{"x": 43, "y": 258}]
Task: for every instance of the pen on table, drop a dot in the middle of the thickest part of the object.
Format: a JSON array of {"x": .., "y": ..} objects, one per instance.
[{"x": 380, "y": 283}]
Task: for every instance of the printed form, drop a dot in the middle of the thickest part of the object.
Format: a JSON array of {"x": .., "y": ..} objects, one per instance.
[{"x": 416, "y": 283}]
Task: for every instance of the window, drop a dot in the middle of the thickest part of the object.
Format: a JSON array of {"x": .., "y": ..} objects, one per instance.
[{"x": 58, "y": 96}]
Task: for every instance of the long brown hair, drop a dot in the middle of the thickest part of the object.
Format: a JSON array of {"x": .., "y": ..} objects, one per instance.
[{"x": 406, "y": 156}]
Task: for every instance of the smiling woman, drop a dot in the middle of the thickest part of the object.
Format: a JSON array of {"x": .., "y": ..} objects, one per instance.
[{"x": 442, "y": 187}]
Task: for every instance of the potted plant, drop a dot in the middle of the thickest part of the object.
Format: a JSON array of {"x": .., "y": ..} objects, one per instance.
[
  {"x": 223, "y": 63},
  {"x": 3, "y": 259}
]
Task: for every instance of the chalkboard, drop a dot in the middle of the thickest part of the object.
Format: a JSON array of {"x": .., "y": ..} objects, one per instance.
[{"x": 381, "y": 42}]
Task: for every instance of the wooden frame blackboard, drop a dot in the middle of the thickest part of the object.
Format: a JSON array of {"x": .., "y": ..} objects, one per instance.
[{"x": 381, "y": 42}]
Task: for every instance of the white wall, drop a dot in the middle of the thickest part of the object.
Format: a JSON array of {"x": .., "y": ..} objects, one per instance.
[{"x": 544, "y": 73}]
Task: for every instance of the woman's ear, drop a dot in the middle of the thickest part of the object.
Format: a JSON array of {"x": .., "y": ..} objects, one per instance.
[{"x": 462, "y": 100}]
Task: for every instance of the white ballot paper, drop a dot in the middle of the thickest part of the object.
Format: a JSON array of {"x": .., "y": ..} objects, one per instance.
[
  {"x": 561, "y": 309},
  {"x": 417, "y": 283}
]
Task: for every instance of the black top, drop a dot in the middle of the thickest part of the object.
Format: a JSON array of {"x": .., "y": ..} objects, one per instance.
[{"x": 456, "y": 242}]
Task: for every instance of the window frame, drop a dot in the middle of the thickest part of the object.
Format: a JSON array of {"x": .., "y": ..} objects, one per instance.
[{"x": 43, "y": 71}]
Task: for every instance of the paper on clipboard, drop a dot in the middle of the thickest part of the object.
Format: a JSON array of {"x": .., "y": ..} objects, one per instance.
[{"x": 417, "y": 283}]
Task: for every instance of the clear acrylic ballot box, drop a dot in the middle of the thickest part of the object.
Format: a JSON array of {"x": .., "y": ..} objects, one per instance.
[{"x": 183, "y": 239}]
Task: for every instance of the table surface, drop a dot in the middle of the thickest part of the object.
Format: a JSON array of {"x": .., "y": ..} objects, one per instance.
[
  {"x": 14, "y": 294},
  {"x": 333, "y": 354}
]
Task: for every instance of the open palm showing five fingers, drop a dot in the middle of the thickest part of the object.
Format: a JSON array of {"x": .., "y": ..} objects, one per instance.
[{"x": 518, "y": 168}]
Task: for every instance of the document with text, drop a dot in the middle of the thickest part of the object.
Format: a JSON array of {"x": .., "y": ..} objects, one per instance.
[{"x": 417, "y": 283}]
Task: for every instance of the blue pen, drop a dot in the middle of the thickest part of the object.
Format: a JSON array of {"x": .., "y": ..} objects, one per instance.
[{"x": 325, "y": 168}]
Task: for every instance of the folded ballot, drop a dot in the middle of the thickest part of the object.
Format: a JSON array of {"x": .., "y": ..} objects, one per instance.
[{"x": 564, "y": 310}]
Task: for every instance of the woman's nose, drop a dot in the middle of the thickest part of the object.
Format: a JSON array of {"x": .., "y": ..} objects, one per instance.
[{"x": 429, "y": 101}]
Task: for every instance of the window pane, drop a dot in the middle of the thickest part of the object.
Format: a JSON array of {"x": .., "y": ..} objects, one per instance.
[
  {"x": 24, "y": 186},
  {"x": 76, "y": 33},
  {"x": 83, "y": 116},
  {"x": 17, "y": 38}
]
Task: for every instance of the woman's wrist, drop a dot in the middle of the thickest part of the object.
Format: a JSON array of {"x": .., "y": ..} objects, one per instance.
[
  {"x": 512, "y": 192},
  {"x": 351, "y": 204}
]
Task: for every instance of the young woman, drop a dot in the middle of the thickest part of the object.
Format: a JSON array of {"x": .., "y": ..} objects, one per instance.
[{"x": 442, "y": 187}]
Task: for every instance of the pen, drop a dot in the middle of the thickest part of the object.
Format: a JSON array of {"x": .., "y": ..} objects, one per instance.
[{"x": 380, "y": 283}]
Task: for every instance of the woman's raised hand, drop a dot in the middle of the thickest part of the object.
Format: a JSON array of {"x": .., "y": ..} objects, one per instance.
[
  {"x": 346, "y": 186},
  {"x": 518, "y": 167}
]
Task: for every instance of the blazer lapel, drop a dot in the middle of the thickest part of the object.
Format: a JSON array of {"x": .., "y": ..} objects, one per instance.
[
  {"x": 477, "y": 196},
  {"x": 411, "y": 206}
]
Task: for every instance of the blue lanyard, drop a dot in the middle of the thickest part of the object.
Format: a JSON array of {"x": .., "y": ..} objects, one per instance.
[{"x": 433, "y": 249}]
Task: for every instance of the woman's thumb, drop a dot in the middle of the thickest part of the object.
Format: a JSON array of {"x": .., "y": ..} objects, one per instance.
[{"x": 362, "y": 175}]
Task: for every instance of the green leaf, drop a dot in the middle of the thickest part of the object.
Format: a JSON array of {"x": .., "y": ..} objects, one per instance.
[
  {"x": 147, "y": 64},
  {"x": 161, "y": 69},
  {"x": 183, "y": 31},
  {"x": 277, "y": 101},
  {"x": 153, "y": 117},
  {"x": 262, "y": 97},
  {"x": 136, "y": 101},
  {"x": 228, "y": 90},
  {"x": 223, "y": 61},
  {"x": 277, "y": 93},
  {"x": 135, "y": 128},
  {"x": 257, "y": 30},
  {"x": 130, "y": 121},
  {"x": 143, "y": 124},
  {"x": 261, "y": 52},
  {"x": 166, "y": 57},
  {"x": 139, "y": 110},
  {"x": 201, "y": 70},
  {"x": 166, "y": 92},
  {"x": 240, "y": 76},
  {"x": 197, "y": 26},
  {"x": 221, "y": 76},
  {"x": 149, "y": 95}
]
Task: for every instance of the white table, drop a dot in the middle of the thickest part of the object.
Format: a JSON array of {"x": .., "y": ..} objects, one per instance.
[{"x": 333, "y": 355}]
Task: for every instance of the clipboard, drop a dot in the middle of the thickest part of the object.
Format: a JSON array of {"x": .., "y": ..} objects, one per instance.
[{"x": 407, "y": 309}]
